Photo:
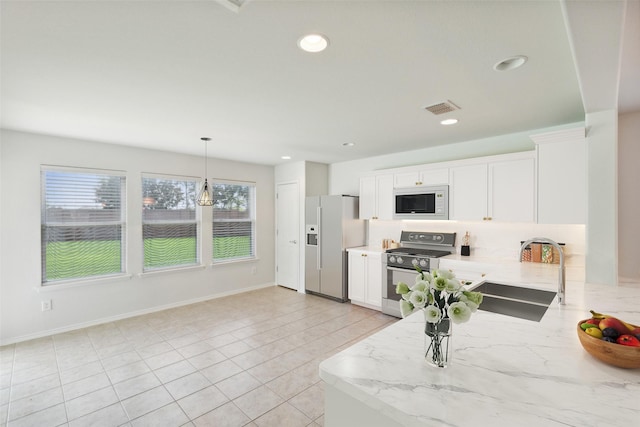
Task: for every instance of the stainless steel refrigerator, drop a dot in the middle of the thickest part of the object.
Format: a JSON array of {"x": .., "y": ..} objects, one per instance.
[{"x": 332, "y": 226}]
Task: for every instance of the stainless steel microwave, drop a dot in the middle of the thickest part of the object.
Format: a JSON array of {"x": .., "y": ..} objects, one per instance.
[{"x": 421, "y": 203}]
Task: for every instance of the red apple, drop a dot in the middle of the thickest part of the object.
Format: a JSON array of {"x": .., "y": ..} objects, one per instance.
[
  {"x": 612, "y": 322},
  {"x": 595, "y": 321},
  {"x": 629, "y": 340}
]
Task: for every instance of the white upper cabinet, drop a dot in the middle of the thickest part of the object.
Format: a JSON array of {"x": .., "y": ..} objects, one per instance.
[
  {"x": 376, "y": 197},
  {"x": 497, "y": 190},
  {"x": 418, "y": 178},
  {"x": 562, "y": 177},
  {"x": 493, "y": 188},
  {"x": 468, "y": 192},
  {"x": 512, "y": 191}
]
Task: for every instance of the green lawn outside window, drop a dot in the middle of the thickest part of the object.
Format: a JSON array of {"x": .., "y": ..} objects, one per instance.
[
  {"x": 93, "y": 258},
  {"x": 84, "y": 258}
]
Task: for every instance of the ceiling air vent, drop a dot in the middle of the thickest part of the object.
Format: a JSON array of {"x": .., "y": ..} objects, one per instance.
[
  {"x": 442, "y": 107},
  {"x": 233, "y": 5}
]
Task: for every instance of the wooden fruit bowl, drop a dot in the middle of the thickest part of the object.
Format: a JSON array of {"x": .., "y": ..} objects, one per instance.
[{"x": 622, "y": 356}]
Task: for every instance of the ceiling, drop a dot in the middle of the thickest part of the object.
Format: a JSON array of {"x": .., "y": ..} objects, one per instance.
[{"x": 162, "y": 74}]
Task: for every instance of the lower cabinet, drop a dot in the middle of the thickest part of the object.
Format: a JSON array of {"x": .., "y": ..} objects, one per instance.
[{"x": 365, "y": 278}]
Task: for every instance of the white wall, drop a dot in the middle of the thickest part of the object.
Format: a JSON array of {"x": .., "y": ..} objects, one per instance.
[
  {"x": 602, "y": 201},
  {"x": 317, "y": 179},
  {"x": 20, "y": 313},
  {"x": 628, "y": 197}
]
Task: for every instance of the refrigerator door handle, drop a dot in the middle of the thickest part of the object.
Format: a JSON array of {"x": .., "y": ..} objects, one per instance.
[{"x": 319, "y": 251}]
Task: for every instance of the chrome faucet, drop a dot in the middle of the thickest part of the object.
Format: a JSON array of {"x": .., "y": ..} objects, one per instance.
[{"x": 561, "y": 279}]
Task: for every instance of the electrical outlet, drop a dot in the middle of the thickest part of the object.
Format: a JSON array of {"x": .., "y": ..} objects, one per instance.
[
  {"x": 46, "y": 305},
  {"x": 254, "y": 270}
]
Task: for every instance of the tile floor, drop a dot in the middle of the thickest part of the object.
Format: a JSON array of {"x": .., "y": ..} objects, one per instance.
[{"x": 247, "y": 360}]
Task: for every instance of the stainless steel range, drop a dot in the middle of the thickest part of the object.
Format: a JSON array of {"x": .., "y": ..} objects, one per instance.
[{"x": 417, "y": 248}]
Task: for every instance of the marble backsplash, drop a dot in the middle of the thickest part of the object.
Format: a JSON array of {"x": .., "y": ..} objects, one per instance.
[{"x": 488, "y": 239}]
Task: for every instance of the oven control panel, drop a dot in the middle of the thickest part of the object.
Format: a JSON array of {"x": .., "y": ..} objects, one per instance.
[
  {"x": 428, "y": 238},
  {"x": 409, "y": 262}
]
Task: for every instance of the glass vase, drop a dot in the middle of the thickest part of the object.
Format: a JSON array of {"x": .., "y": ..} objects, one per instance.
[{"x": 438, "y": 343}]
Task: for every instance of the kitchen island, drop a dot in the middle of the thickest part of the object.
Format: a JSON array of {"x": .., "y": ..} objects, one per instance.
[{"x": 505, "y": 370}]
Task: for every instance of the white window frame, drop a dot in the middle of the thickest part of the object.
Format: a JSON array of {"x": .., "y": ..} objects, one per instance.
[
  {"x": 252, "y": 220},
  {"x": 197, "y": 221},
  {"x": 122, "y": 222}
]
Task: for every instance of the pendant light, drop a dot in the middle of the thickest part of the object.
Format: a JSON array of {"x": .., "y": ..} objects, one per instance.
[{"x": 205, "y": 197}]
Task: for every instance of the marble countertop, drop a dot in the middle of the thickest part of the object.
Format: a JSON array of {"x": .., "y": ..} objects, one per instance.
[{"x": 505, "y": 371}]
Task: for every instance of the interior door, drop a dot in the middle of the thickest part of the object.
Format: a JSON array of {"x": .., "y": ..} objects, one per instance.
[{"x": 288, "y": 235}]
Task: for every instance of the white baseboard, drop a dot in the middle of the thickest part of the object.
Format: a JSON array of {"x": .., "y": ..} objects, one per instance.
[
  {"x": 628, "y": 280},
  {"x": 82, "y": 325}
]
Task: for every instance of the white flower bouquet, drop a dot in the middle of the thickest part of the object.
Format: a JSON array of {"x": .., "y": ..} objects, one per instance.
[
  {"x": 444, "y": 300},
  {"x": 440, "y": 295}
]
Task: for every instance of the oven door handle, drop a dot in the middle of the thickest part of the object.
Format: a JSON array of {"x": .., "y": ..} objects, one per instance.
[{"x": 402, "y": 270}]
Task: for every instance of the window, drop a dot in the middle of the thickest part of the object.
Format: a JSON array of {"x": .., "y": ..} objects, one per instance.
[
  {"x": 233, "y": 221},
  {"x": 170, "y": 226},
  {"x": 83, "y": 223}
]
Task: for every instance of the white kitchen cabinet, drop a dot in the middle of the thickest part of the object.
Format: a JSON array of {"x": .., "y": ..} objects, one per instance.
[
  {"x": 376, "y": 197},
  {"x": 468, "y": 192},
  {"x": 512, "y": 191},
  {"x": 365, "y": 278},
  {"x": 562, "y": 177},
  {"x": 499, "y": 190},
  {"x": 418, "y": 178}
]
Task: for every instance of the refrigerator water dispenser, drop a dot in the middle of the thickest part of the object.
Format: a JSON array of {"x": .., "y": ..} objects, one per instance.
[{"x": 312, "y": 235}]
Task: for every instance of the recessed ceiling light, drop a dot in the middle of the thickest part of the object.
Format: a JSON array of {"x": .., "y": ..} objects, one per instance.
[
  {"x": 286, "y": 157},
  {"x": 448, "y": 122},
  {"x": 348, "y": 144},
  {"x": 313, "y": 43},
  {"x": 511, "y": 63}
]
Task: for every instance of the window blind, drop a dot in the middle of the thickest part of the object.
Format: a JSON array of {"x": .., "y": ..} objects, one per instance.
[
  {"x": 170, "y": 226},
  {"x": 83, "y": 224},
  {"x": 233, "y": 221}
]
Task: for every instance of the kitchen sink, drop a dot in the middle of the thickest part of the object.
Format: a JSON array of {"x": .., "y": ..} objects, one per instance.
[{"x": 514, "y": 301}]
